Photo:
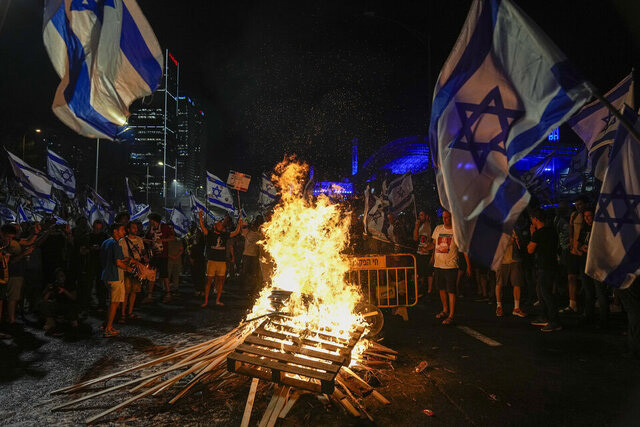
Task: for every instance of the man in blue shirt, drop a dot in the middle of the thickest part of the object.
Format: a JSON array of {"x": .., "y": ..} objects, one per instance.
[{"x": 114, "y": 264}]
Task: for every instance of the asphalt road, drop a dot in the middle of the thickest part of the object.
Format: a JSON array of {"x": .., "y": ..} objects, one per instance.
[{"x": 573, "y": 377}]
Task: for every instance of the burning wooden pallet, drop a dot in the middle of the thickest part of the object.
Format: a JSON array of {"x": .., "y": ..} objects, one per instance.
[{"x": 282, "y": 354}]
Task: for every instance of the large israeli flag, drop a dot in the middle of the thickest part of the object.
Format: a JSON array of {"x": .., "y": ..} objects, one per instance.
[
  {"x": 198, "y": 206},
  {"x": 61, "y": 174},
  {"x": 614, "y": 246},
  {"x": 106, "y": 55},
  {"x": 504, "y": 87},
  {"x": 32, "y": 180},
  {"x": 268, "y": 192},
  {"x": 218, "y": 193},
  {"x": 595, "y": 124}
]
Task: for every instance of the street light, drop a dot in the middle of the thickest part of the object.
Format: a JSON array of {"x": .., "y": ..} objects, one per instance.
[{"x": 175, "y": 179}]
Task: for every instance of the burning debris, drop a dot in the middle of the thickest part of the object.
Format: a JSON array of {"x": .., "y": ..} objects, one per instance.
[{"x": 304, "y": 333}]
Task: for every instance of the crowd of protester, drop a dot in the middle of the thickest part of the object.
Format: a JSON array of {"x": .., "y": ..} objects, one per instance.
[{"x": 55, "y": 276}]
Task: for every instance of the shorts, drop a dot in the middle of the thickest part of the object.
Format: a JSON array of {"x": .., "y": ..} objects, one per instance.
[
  {"x": 160, "y": 265},
  {"x": 117, "y": 291},
  {"x": 445, "y": 279},
  {"x": 132, "y": 284},
  {"x": 510, "y": 274},
  {"x": 216, "y": 268},
  {"x": 423, "y": 265},
  {"x": 14, "y": 288},
  {"x": 173, "y": 272},
  {"x": 575, "y": 264}
]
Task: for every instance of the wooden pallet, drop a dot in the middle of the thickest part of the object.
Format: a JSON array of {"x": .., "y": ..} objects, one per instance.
[{"x": 280, "y": 353}]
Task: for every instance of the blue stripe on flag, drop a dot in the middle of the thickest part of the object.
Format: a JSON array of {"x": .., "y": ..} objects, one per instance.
[
  {"x": 59, "y": 160},
  {"x": 221, "y": 204},
  {"x": 474, "y": 55},
  {"x": 78, "y": 90},
  {"x": 490, "y": 224},
  {"x": 587, "y": 111},
  {"x": 271, "y": 196},
  {"x": 136, "y": 50}
]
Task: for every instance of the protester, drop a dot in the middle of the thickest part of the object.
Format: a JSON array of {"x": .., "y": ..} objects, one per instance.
[
  {"x": 7, "y": 234},
  {"x": 197, "y": 259},
  {"x": 59, "y": 300},
  {"x": 158, "y": 235},
  {"x": 544, "y": 244},
  {"x": 19, "y": 249},
  {"x": 216, "y": 245},
  {"x": 250, "y": 261},
  {"x": 592, "y": 288},
  {"x": 132, "y": 247},
  {"x": 122, "y": 217},
  {"x": 90, "y": 247},
  {"x": 575, "y": 261},
  {"x": 114, "y": 266},
  {"x": 422, "y": 234},
  {"x": 445, "y": 264},
  {"x": 174, "y": 263},
  {"x": 510, "y": 273}
]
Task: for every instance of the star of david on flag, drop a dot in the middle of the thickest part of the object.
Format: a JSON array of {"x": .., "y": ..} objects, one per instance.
[
  {"x": 218, "y": 194},
  {"x": 180, "y": 222},
  {"x": 614, "y": 247},
  {"x": 61, "y": 174},
  {"x": 268, "y": 192},
  {"x": 502, "y": 90}
]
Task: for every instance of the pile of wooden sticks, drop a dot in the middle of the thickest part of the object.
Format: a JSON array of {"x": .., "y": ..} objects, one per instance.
[{"x": 179, "y": 372}]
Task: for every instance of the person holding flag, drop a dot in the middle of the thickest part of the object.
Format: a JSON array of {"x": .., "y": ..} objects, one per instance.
[{"x": 216, "y": 250}]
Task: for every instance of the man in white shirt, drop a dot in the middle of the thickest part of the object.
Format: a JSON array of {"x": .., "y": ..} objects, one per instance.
[{"x": 445, "y": 272}]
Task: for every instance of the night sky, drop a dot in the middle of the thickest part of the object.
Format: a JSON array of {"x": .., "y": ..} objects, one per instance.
[{"x": 280, "y": 77}]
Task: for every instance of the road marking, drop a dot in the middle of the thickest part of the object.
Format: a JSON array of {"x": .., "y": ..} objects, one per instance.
[{"x": 477, "y": 335}]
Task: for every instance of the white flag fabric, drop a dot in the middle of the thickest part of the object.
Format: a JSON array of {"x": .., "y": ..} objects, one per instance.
[
  {"x": 198, "y": 206},
  {"x": 218, "y": 193},
  {"x": 131, "y": 203},
  {"x": 613, "y": 256},
  {"x": 43, "y": 206},
  {"x": 400, "y": 193},
  {"x": 595, "y": 124},
  {"x": 377, "y": 219},
  {"x": 25, "y": 215},
  {"x": 106, "y": 56},
  {"x": 365, "y": 217},
  {"x": 180, "y": 222},
  {"x": 268, "y": 192},
  {"x": 504, "y": 87},
  {"x": 61, "y": 174},
  {"x": 32, "y": 180},
  {"x": 141, "y": 214},
  {"x": 6, "y": 214}
]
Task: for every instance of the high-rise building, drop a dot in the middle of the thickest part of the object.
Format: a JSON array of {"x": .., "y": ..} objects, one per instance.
[
  {"x": 152, "y": 154},
  {"x": 192, "y": 137}
]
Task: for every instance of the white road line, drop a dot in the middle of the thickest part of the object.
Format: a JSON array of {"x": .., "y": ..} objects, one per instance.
[{"x": 477, "y": 335}]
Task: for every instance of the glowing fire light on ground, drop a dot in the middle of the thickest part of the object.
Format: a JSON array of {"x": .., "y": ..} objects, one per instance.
[{"x": 305, "y": 239}]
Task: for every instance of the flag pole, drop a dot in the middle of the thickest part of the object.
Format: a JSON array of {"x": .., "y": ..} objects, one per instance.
[
  {"x": 97, "y": 161},
  {"x": 628, "y": 126}
]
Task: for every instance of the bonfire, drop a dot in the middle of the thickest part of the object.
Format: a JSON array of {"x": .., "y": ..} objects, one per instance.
[{"x": 304, "y": 332}]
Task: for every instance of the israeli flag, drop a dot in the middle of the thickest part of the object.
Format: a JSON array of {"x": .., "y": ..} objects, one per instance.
[
  {"x": 180, "y": 222},
  {"x": 377, "y": 223},
  {"x": 141, "y": 214},
  {"x": 32, "y": 180},
  {"x": 400, "y": 193},
  {"x": 106, "y": 56},
  {"x": 61, "y": 174},
  {"x": 268, "y": 192},
  {"x": 43, "y": 206},
  {"x": 59, "y": 221},
  {"x": 197, "y": 205},
  {"x": 218, "y": 193},
  {"x": 131, "y": 203},
  {"x": 502, "y": 90},
  {"x": 595, "y": 124},
  {"x": 6, "y": 214},
  {"x": 613, "y": 256},
  {"x": 24, "y": 215}
]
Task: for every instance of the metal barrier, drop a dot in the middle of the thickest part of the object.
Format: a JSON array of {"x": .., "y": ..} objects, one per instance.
[{"x": 388, "y": 281}]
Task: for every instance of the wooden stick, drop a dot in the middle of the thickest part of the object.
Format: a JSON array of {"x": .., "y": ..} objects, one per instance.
[
  {"x": 380, "y": 355},
  {"x": 198, "y": 377},
  {"x": 380, "y": 397},
  {"x": 362, "y": 383},
  {"x": 272, "y": 404},
  {"x": 342, "y": 399},
  {"x": 292, "y": 400},
  {"x": 379, "y": 347},
  {"x": 171, "y": 381},
  {"x": 278, "y": 407},
  {"x": 355, "y": 401},
  {"x": 84, "y": 384},
  {"x": 249, "y": 406}
]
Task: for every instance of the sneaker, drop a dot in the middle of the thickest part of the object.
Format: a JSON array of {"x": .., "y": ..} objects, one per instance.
[
  {"x": 539, "y": 322},
  {"x": 551, "y": 328},
  {"x": 537, "y": 303},
  {"x": 499, "y": 312},
  {"x": 567, "y": 310},
  {"x": 518, "y": 312}
]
